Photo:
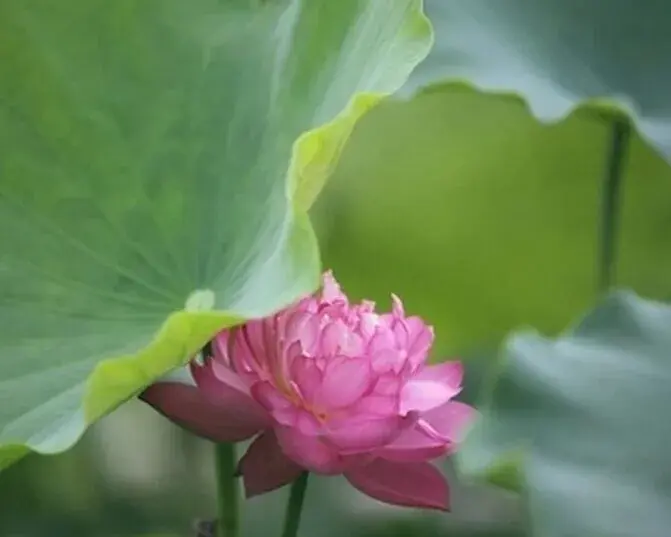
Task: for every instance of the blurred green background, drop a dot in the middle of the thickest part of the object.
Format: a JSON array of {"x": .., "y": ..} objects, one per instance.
[{"x": 482, "y": 220}]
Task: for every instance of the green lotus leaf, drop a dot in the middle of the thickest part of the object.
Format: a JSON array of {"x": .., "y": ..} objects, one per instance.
[
  {"x": 583, "y": 416},
  {"x": 485, "y": 220},
  {"x": 158, "y": 159},
  {"x": 558, "y": 54}
]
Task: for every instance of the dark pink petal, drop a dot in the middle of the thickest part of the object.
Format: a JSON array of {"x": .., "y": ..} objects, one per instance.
[
  {"x": 413, "y": 484},
  {"x": 269, "y": 397},
  {"x": 252, "y": 333},
  {"x": 265, "y": 467},
  {"x": 310, "y": 452},
  {"x": 242, "y": 359},
  {"x": 217, "y": 380},
  {"x": 223, "y": 373},
  {"x": 414, "y": 445},
  {"x": 345, "y": 380},
  {"x": 221, "y": 420},
  {"x": 275, "y": 403},
  {"x": 220, "y": 345},
  {"x": 424, "y": 454},
  {"x": 222, "y": 386}
]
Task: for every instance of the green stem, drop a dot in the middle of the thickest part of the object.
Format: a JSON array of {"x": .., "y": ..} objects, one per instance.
[
  {"x": 292, "y": 517},
  {"x": 610, "y": 202},
  {"x": 228, "y": 524}
]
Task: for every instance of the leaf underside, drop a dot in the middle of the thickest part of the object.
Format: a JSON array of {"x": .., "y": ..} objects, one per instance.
[{"x": 584, "y": 416}]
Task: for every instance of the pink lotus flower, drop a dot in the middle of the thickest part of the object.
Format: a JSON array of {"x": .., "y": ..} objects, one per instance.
[{"x": 333, "y": 388}]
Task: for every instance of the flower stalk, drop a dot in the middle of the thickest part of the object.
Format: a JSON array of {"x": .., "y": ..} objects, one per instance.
[
  {"x": 228, "y": 523},
  {"x": 292, "y": 517},
  {"x": 611, "y": 201}
]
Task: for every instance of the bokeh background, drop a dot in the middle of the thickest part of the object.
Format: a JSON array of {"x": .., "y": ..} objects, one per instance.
[{"x": 483, "y": 220}]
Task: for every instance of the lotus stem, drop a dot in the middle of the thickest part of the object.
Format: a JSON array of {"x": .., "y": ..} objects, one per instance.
[
  {"x": 610, "y": 204},
  {"x": 292, "y": 517},
  {"x": 228, "y": 523}
]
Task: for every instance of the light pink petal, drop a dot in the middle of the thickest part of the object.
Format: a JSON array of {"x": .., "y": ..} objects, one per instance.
[
  {"x": 397, "y": 307},
  {"x": 450, "y": 373},
  {"x": 310, "y": 452},
  {"x": 352, "y": 344},
  {"x": 365, "y": 435},
  {"x": 366, "y": 306},
  {"x": 432, "y": 387},
  {"x": 376, "y": 406},
  {"x": 306, "y": 423},
  {"x": 284, "y": 411},
  {"x": 295, "y": 324},
  {"x": 437, "y": 432},
  {"x": 287, "y": 357},
  {"x": 412, "y": 484},
  {"x": 189, "y": 407},
  {"x": 387, "y": 321},
  {"x": 345, "y": 381},
  {"x": 420, "y": 341},
  {"x": 421, "y": 395},
  {"x": 331, "y": 290},
  {"x": 386, "y": 360},
  {"x": 388, "y": 384},
  {"x": 401, "y": 333},
  {"x": 310, "y": 335},
  {"x": 381, "y": 341},
  {"x": 302, "y": 327},
  {"x": 265, "y": 467},
  {"x": 332, "y": 336},
  {"x": 368, "y": 322},
  {"x": 451, "y": 420},
  {"x": 307, "y": 376}
]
